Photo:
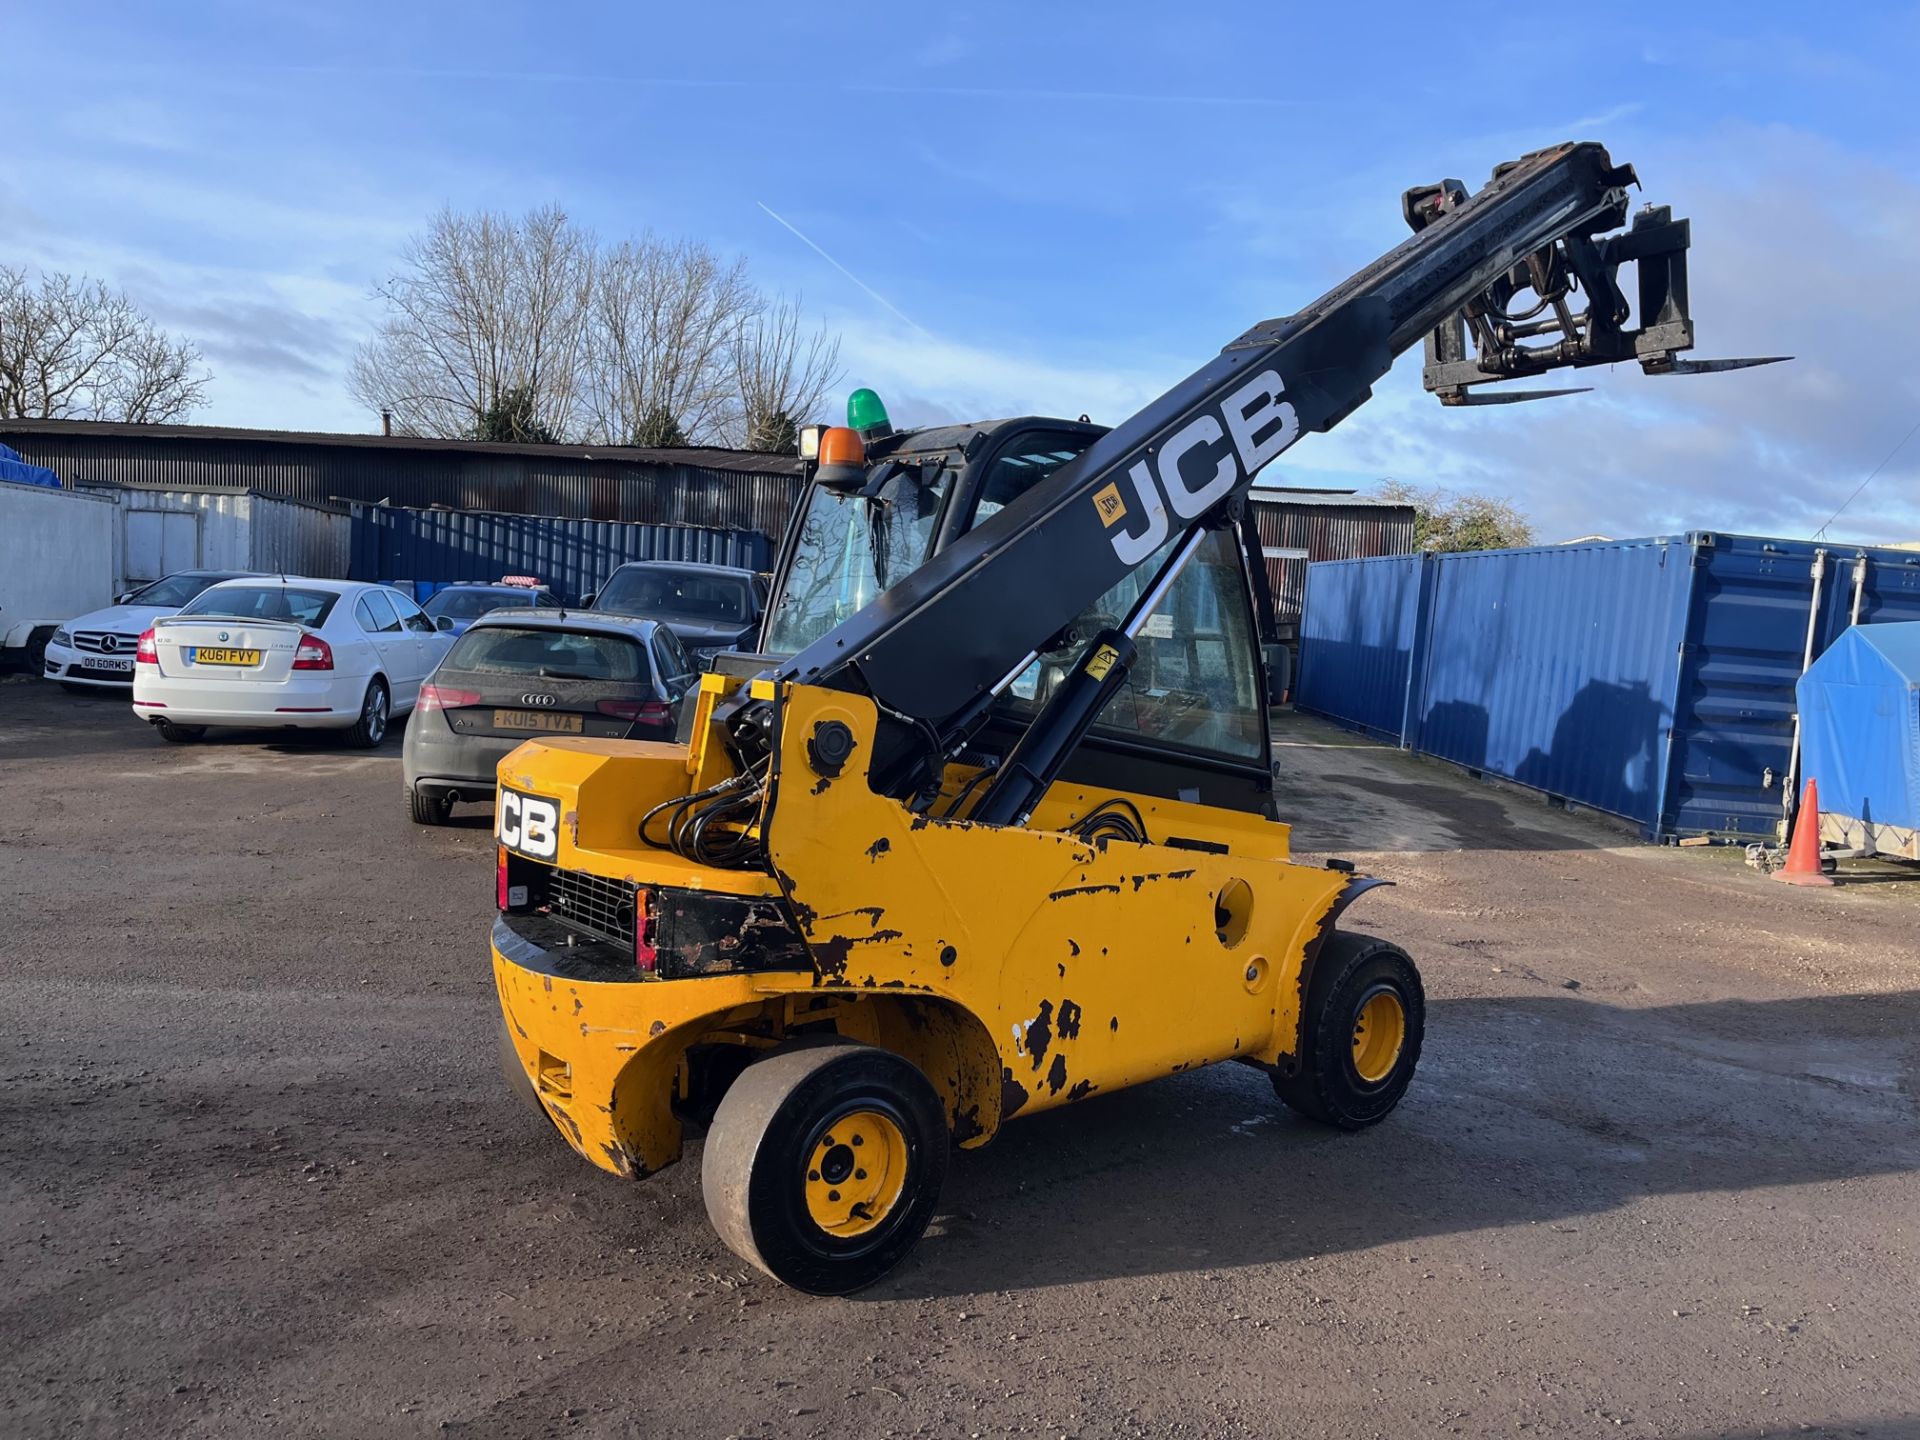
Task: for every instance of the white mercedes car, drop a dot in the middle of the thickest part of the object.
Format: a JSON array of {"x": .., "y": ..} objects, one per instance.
[
  {"x": 95, "y": 651},
  {"x": 309, "y": 654}
]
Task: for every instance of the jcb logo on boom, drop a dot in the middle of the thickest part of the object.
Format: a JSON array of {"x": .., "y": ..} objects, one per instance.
[
  {"x": 1261, "y": 425},
  {"x": 528, "y": 824}
]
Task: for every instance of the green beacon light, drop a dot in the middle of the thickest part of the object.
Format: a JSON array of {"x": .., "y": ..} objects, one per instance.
[{"x": 867, "y": 416}]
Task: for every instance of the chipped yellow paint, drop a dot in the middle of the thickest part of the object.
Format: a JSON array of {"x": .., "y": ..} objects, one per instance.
[
  {"x": 1018, "y": 968},
  {"x": 1091, "y": 969}
]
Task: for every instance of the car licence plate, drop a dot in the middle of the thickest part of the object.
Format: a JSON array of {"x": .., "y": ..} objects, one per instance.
[
  {"x": 539, "y": 721},
  {"x": 220, "y": 655},
  {"x": 108, "y": 667}
]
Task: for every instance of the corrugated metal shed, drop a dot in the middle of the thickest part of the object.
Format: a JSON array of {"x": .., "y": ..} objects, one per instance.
[
  {"x": 431, "y": 548},
  {"x": 723, "y": 489},
  {"x": 1653, "y": 679},
  {"x": 1298, "y": 527}
]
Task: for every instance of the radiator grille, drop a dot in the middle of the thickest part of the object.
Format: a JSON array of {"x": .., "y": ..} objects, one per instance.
[
  {"x": 601, "y": 907},
  {"x": 105, "y": 642}
]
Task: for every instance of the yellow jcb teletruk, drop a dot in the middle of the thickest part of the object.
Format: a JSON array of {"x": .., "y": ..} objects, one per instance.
[{"x": 987, "y": 826}]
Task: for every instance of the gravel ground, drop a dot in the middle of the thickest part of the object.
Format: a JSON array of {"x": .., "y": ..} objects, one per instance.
[{"x": 259, "y": 1175}]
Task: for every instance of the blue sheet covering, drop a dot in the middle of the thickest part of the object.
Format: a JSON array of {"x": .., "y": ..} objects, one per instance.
[
  {"x": 1860, "y": 724},
  {"x": 13, "y": 468}
]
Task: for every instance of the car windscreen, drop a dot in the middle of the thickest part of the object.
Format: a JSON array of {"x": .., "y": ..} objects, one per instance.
[
  {"x": 549, "y": 654},
  {"x": 174, "y": 590},
  {"x": 267, "y": 601},
  {"x": 679, "y": 594},
  {"x": 471, "y": 604}
]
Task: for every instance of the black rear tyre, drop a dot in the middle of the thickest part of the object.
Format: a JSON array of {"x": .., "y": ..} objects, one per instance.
[
  {"x": 428, "y": 809},
  {"x": 824, "y": 1164},
  {"x": 179, "y": 734},
  {"x": 1360, "y": 1036}
]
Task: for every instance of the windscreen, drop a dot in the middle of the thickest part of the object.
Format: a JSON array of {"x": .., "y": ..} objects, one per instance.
[
  {"x": 847, "y": 551},
  {"x": 679, "y": 594},
  {"x": 174, "y": 590},
  {"x": 549, "y": 654},
  {"x": 267, "y": 601},
  {"x": 472, "y": 604}
]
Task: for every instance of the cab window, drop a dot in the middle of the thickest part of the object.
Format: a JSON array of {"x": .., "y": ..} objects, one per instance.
[
  {"x": 1194, "y": 683},
  {"x": 848, "y": 550},
  {"x": 1034, "y": 456}
]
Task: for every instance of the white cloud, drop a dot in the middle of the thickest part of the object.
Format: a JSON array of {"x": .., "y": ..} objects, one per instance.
[{"x": 957, "y": 380}]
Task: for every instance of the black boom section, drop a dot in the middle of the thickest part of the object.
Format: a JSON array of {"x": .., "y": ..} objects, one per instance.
[{"x": 930, "y": 647}]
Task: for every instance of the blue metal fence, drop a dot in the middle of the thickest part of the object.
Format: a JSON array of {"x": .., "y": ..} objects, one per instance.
[
  {"x": 1653, "y": 679},
  {"x": 429, "y": 549}
]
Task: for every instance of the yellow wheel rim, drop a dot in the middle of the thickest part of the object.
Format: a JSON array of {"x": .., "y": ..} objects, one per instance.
[
  {"x": 1379, "y": 1032},
  {"x": 856, "y": 1173}
]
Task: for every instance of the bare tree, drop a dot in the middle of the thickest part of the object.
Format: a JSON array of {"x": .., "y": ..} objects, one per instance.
[
  {"x": 781, "y": 375},
  {"x": 72, "y": 349},
  {"x": 487, "y": 318},
  {"x": 663, "y": 316}
]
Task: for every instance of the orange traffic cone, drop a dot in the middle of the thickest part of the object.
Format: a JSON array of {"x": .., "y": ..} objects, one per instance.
[{"x": 1803, "y": 855}]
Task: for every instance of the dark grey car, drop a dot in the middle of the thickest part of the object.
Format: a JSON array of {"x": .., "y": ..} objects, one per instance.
[
  {"x": 517, "y": 675},
  {"x": 710, "y": 607}
]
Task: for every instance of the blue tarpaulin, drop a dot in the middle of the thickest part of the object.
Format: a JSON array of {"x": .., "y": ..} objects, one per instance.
[
  {"x": 1860, "y": 724},
  {"x": 13, "y": 468}
]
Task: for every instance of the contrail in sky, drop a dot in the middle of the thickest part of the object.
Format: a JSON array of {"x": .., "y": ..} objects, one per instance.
[{"x": 843, "y": 269}]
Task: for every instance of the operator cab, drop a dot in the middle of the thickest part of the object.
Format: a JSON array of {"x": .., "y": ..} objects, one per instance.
[{"x": 1191, "y": 720}]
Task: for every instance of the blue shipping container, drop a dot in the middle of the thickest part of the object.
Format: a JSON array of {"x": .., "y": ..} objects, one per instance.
[
  {"x": 1359, "y": 626},
  {"x": 430, "y": 549},
  {"x": 1653, "y": 679}
]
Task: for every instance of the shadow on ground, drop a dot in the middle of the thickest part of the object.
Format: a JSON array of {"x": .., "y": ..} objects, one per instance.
[{"x": 1521, "y": 1114}]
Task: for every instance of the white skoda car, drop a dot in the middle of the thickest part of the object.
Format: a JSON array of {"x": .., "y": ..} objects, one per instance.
[{"x": 310, "y": 654}]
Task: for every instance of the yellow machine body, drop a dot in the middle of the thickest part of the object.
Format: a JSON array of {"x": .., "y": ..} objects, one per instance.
[{"x": 1019, "y": 968}]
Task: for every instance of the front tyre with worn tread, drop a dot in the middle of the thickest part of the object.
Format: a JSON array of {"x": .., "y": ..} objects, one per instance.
[
  {"x": 1360, "y": 1036},
  {"x": 824, "y": 1163}
]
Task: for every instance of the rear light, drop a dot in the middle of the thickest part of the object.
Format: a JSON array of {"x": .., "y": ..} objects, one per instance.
[
  {"x": 645, "y": 956},
  {"x": 144, "y": 653},
  {"x": 641, "y": 712},
  {"x": 506, "y": 894},
  {"x": 445, "y": 697},
  {"x": 313, "y": 654}
]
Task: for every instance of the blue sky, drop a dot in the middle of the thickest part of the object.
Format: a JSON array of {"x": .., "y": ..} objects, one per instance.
[{"x": 1064, "y": 208}]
